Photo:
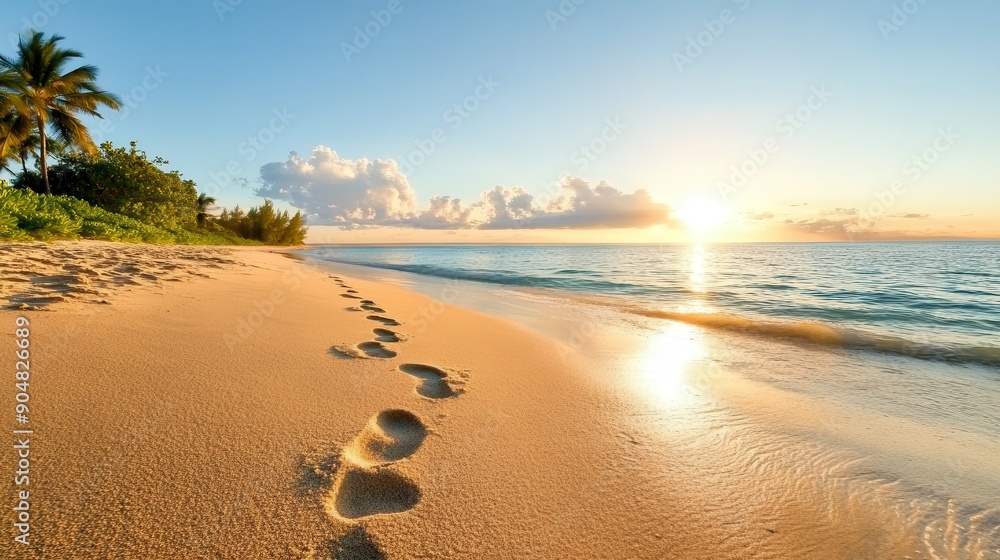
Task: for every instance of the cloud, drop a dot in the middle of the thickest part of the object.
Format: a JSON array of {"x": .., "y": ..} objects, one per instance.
[
  {"x": 603, "y": 206},
  {"x": 836, "y": 222},
  {"x": 575, "y": 205},
  {"x": 330, "y": 189},
  {"x": 363, "y": 193},
  {"x": 839, "y": 212},
  {"x": 825, "y": 226},
  {"x": 761, "y": 216},
  {"x": 843, "y": 224},
  {"x": 443, "y": 212}
]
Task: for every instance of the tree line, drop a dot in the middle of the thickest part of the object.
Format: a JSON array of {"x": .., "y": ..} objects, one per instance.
[{"x": 43, "y": 96}]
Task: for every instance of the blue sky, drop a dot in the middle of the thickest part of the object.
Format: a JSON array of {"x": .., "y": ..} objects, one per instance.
[{"x": 227, "y": 66}]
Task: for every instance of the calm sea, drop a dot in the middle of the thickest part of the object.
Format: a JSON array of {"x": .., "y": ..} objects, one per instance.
[
  {"x": 884, "y": 408},
  {"x": 938, "y": 301}
]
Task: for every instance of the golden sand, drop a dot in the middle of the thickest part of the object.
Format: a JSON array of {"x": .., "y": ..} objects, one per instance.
[
  {"x": 203, "y": 411},
  {"x": 229, "y": 403}
]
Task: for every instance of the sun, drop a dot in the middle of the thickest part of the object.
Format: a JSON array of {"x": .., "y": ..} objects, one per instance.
[{"x": 701, "y": 215}]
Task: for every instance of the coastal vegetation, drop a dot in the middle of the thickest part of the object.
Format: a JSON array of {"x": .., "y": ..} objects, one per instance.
[
  {"x": 29, "y": 216},
  {"x": 264, "y": 224},
  {"x": 99, "y": 192}
]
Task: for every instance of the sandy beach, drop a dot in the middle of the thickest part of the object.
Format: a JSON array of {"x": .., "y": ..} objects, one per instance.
[
  {"x": 213, "y": 415},
  {"x": 500, "y": 280},
  {"x": 239, "y": 403}
]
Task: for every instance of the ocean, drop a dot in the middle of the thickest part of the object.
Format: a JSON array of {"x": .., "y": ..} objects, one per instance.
[
  {"x": 857, "y": 381},
  {"x": 927, "y": 300}
]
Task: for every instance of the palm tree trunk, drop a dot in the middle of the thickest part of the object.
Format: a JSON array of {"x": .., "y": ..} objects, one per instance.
[
  {"x": 45, "y": 165},
  {"x": 24, "y": 166}
]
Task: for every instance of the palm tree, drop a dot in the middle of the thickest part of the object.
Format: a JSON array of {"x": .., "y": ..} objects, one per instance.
[
  {"x": 14, "y": 126},
  {"x": 204, "y": 203},
  {"x": 8, "y": 140},
  {"x": 30, "y": 146},
  {"x": 52, "y": 96}
]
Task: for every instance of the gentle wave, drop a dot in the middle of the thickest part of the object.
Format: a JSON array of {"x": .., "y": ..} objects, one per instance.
[
  {"x": 830, "y": 336},
  {"x": 932, "y": 302},
  {"x": 494, "y": 277}
]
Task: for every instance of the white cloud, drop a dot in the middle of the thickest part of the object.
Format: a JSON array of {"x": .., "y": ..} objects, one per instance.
[
  {"x": 330, "y": 189},
  {"x": 364, "y": 193},
  {"x": 578, "y": 205}
]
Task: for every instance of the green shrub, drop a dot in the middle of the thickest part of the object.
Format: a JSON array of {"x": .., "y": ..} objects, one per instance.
[
  {"x": 264, "y": 224},
  {"x": 26, "y": 216},
  {"x": 123, "y": 181}
]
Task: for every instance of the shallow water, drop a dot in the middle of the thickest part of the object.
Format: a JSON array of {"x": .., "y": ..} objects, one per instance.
[
  {"x": 781, "y": 443},
  {"x": 926, "y": 300}
]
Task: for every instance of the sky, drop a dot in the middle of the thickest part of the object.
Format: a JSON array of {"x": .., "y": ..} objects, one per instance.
[{"x": 562, "y": 120}]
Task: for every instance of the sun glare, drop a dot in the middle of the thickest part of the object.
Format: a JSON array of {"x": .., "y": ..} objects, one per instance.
[
  {"x": 668, "y": 362},
  {"x": 701, "y": 215}
]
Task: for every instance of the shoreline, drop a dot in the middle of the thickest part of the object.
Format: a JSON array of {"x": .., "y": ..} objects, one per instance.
[
  {"x": 807, "y": 397},
  {"x": 807, "y": 334},
  {"x": 148, "y": 413}
]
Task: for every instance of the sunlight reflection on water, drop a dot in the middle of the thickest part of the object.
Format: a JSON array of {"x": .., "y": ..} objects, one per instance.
[
  {"x": 698, "y": 268},
  {"x": 667, "y": 361}
]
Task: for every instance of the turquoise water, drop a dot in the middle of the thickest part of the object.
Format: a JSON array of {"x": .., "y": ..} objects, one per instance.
[{"x": 926, "y": 300}]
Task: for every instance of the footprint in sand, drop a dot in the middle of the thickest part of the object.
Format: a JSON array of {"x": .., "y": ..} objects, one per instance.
[
  {"x": 352, "y": 291},
  {"x": 372, "y": 308},
  {"x": 363, "y": 492},
  {"x": 385, "y": 335},
  {"x": 365, "y": 484},
  {"x": 384, "y": 320},
  {"x": 390, "y": 436},
  {"x": 345, "y": 352},
  {"x": 363, "y": 350},
  {"x": 435, "y": 383},
  {"x": 376, "y": 350}
]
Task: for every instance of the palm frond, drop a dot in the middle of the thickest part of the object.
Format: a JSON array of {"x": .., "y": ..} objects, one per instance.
[
  {"x": 70, "y": 130},
  {"x": 35, "y": 83},
  {"x": 15, "y": 129}
]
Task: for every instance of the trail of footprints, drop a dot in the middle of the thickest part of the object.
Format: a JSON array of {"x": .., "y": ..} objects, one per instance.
[
  {"x": 433, "y": 383},
  {"x": 365, "y": 482}
]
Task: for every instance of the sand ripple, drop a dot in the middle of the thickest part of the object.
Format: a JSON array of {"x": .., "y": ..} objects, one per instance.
[{"x": 39, "y": 275}]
